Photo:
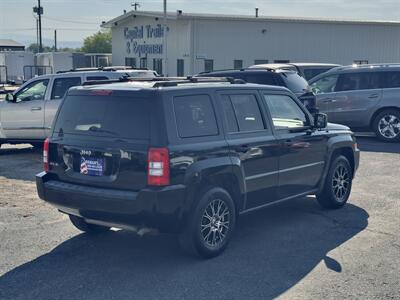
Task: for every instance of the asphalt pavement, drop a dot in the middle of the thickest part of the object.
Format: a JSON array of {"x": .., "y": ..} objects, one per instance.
[{"x": 295, "y": 250}]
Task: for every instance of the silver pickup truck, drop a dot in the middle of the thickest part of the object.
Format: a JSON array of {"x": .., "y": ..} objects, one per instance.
[{"x": 27, "y": 114}]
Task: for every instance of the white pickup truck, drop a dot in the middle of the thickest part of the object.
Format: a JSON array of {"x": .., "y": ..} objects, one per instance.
[{"x": 27, "y": 114}]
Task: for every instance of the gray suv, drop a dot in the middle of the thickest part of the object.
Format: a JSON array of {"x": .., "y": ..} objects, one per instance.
[{"x": 363, "y": 97}]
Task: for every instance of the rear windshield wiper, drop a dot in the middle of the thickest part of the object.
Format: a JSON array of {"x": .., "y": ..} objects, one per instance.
[{"x": 97, "y": 129}]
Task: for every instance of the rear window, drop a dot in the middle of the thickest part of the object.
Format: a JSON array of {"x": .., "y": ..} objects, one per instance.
[
  {"x": 195, "y": 116},
  {"x": 390, "y": 79},
  {"x": 107, "y": 116},
  {"x": 61, "y": 86},
  {"x": 295, "y": 82},
  {"x": 261, "y": 78}
]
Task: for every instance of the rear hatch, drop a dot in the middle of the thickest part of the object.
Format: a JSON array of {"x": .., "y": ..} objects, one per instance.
[{"x": 101, "y": 138}]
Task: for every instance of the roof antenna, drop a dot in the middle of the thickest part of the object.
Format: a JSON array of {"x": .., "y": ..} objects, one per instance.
[{"x": 256, "y": 12}]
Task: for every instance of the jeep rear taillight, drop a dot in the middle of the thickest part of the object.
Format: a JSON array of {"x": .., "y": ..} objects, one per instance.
[
  {"x": 46, "y": 155},
  {"x": 158, "y": 166}
]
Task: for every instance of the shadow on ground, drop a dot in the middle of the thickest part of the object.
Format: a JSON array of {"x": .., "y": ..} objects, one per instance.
[
  {"x": 20, "y": 163},
  {"x": 373, "y": 144},
  {"x": 271, "y": 252}
]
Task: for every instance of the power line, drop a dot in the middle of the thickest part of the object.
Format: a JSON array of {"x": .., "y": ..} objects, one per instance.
[{"x": 70, "y": 21}]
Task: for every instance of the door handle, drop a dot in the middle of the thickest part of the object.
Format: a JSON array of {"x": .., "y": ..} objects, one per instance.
[
  {"x": 36, "y": 108},
  {"x": 329, "y": 100},
  {"x": 373, "y": 96}
]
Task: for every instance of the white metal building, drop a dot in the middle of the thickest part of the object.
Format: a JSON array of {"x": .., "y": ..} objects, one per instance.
[{"x": 199, "y": 42}]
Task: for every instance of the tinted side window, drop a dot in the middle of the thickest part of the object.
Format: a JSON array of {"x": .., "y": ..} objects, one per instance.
[
  {"x": 247, "y": 112},
  {"x": 391, "y": 79},
  {"x": 325, "y": 84},
  {"x": 195, "y": 116},
  {"x": 61, "y": 86},
  {"x": 285, "y": 112},
  {"x": 96, "y": 78},
  {"x": 261, "y": 78},
  {"x": 358, "y": 81}
]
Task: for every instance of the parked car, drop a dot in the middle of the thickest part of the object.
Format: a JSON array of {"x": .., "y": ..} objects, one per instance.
[
  {"x": 27, "y": 114},
  {"x": 287, "y": 78},
  {"x": 363, "y": 97},
  {"x": 306, "y": 70},
  {"x": 279, "y": 77},
  {"x": 189, "y": 158}
]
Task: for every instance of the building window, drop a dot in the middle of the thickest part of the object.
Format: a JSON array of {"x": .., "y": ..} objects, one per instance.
[
  {"x": 281, "y": 61},
  {"x": 361, "y": 62},
  {"x": 208, "y": 65},
  {"x": 157, "y": 65},
  {"x": 143, "y": 62},
  {"x": 237, "y": 64},
  {"x": 260, "y": 61},
  {"x": 130, "y": 62},
  {"x": 180, "y": 67}
]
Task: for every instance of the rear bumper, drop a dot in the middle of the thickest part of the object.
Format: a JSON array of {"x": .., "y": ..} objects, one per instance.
[{"x": 159, "y": 208}]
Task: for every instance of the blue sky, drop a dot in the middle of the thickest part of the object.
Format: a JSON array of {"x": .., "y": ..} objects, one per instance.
[{"x": 75, "y": 19}]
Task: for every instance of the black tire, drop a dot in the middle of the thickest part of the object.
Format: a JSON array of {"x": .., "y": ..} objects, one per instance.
[
  {"x": 390, "y": 120},
  {"x": 338, "y": 182},
  {"x": 208, "y": 236},
  {"x": 82, "y": 225}
]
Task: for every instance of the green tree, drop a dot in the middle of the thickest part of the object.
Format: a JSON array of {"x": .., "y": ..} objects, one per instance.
[{"x": 99, "y": 42}]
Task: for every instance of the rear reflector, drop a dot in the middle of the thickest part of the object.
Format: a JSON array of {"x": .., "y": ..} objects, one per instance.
[
  {"x": 46, "y": 155},
  {"x": 158, "y": 166}
]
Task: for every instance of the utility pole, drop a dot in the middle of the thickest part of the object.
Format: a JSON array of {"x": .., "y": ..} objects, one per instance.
[
  {"x": 165, "y": 60},
  {"x": 39, "y": 11},
  {"x": 55, "y": 40},
  {"x": 135, "y": 5}
]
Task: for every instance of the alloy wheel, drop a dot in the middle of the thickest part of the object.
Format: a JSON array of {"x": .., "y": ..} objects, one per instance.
[
  {"x": 215, "y": 223},
  {"x": 389, "y": 126},
  {"x": 341, "y": 183}
]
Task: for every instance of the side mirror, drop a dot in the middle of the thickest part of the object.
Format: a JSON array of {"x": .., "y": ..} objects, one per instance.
[
  {"x": 320, "y": 120},
  {"x": 309, "y": 101},
  {"x": 10, "y": 97}
]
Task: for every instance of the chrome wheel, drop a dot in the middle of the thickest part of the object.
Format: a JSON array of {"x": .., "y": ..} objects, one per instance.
[
  {"x": 341, "y": 183},
  {"x": 389, "y": 126},
  {"x": 215, "y": 223}
]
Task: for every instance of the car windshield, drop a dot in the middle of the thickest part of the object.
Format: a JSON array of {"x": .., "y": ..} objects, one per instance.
[{"x": 295, "y": 82}]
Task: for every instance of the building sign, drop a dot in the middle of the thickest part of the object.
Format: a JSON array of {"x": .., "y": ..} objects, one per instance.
[{"x": 135, "y": 36}]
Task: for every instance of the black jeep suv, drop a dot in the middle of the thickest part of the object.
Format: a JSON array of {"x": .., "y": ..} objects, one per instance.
[{"x": 189, "y": 157}]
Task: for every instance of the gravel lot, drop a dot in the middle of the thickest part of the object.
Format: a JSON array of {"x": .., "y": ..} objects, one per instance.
[{"x": 291, "y": 251}]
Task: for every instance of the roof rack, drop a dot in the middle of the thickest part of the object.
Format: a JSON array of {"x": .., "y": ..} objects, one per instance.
[
  {"x": 167, "y": 81},
  {"x": 110, "y": 69},
  {"x": 242, "y": 69}
]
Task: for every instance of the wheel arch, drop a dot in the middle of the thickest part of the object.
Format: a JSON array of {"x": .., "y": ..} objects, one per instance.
[
  {"x": 218, "y": 172},
  {"x": 338, "y": 145}
]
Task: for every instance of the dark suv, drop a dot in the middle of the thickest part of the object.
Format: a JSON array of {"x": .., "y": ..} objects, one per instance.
[
  {"x": 268, "y": 76},
  {"x": 189, "y": 157}
]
